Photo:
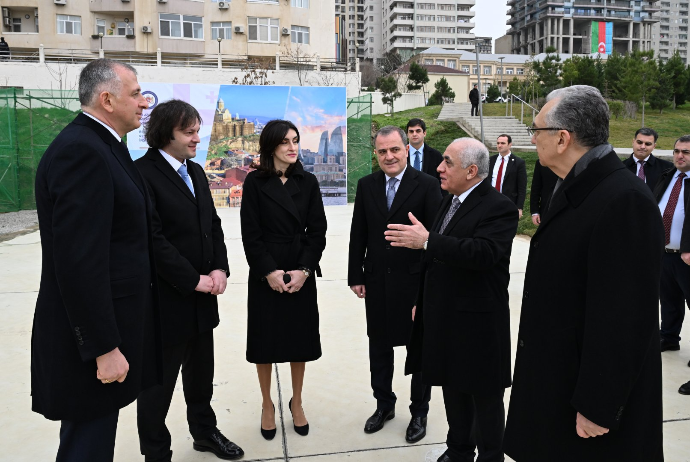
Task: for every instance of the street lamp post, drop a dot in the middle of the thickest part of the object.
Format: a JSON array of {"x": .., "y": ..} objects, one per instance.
[
  {"x": 501, "y": 59},
  {"x": 220, "y": 62},
  {"x": 479, "y": 84},
  {"x": 100, "y": 50}
]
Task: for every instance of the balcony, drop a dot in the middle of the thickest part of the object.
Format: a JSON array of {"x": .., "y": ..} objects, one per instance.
[
  {"x": 114, "y": 43},
  {"x": 111, "y": 6}
]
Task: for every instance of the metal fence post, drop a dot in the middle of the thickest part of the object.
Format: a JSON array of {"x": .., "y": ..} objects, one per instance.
[
  {"x": 158, "y": 57},
  {"x": 277, "y": 61},
  {"x": 41, "y": 54}
]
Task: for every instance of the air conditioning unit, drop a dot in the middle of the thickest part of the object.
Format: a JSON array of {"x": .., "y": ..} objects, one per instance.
[
  {"x": 286, "y": 31},
  {"x": 223, "y": 5},
  {"x": 36, "y": 12},
  {"x": 146, "y": 29},
  {"x": 162, "y": 1},
  {"x": 5, "y": 12},
  {"x": 60, "y": 2},
  {"x": 125, "y": 1},
  {"x": 239, "y": 29},
  {"x": 7, "y": 21}
]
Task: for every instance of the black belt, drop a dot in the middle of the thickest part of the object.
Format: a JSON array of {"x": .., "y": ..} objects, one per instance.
[{"x": 671, "y": 250}]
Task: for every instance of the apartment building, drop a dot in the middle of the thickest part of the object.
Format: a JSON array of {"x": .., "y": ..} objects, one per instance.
[
  {"x": 350, "y": 15},
  {"x": 181, "y": 27},
  {"x": 581, "y": 26},
  {"x": 671, "y": 32}
]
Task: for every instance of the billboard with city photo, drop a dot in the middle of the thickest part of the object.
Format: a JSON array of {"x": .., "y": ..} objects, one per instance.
[{"x": 233, "y": 117}]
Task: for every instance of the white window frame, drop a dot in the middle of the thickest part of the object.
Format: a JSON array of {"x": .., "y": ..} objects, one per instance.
[
  {"x": 197, "y": 27},
  {"x": 271, "y": 25},
  {"x": 299, "y": 34},
  {"x": 73, "y": 21},
  {"x": 299, "y": 3},
  {"x": 100, "y": 27},
  {"x": 221, "y": 26}
]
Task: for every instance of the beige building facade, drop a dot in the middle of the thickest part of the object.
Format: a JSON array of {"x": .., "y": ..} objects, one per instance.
[{"x": 182, "y": 27}]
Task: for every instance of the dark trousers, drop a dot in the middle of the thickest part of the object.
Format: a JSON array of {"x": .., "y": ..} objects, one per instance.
[
  {"x": 381, "y": 363},
  {"x": 474, "y": 421},
  {"x": 475, "y": 109},
  {"x": 195, "y": 356},
  {"x": 89, "y": 440},
  {"x": 674, "y": 294}
]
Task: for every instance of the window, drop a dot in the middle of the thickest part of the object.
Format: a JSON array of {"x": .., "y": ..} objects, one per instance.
[
  {"x": 300, "y": 34},
  {"x": 176, "y": 25},
  {"x": 440, "y": 62},
  {"x": 487, "y": 70},
  {"x": 428, "y": 61},
  {"x": 68, "y": 24},
  {"x": 124, "y": 28},
  {"x": 263, "y": 29},
  {"x": 520, "y": 71},
  {"x": 509, "y": 70},
  {"x": 451, "y": 63},
  {"x": 466, "y": 68},
  {"x": 100, "y": 26},
  {"x": 300, "y": 3},
  {"x": 16, "y": 24},
  {"x": 262, "y": 1},
  {"x": 222, "y": 30}
]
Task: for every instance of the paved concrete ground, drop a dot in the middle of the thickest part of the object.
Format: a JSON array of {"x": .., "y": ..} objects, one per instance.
[{"x": 337, "y": 397}]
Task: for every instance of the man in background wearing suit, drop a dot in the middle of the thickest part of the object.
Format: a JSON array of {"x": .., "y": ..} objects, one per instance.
[
  {"x": 387, "y": 277},
  {"x": 461, "y": 336},
  {"x": 543, "y": 182},
  {"x": 422, "y": 156},
  {"x": 95, "y": 342},
  {"x": 642, "y": 162},
  {"x": 192, "y": 266},
  {"x": 508, "y": 173}
]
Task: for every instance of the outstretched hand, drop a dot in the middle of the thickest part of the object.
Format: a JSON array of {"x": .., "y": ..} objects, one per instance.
[{"x": 411, "y": 236}]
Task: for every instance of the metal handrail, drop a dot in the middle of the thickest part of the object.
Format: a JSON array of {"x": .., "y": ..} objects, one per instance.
[{"x": 523, "y": 101}]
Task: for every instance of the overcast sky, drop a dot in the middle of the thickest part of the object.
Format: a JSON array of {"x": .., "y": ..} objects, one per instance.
[{"x": 490, "y": 18}]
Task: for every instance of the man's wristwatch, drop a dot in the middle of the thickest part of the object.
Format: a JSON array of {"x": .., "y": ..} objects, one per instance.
[
  {"x": 306, "y": 271},
  {"x": 425, "y": 244}
]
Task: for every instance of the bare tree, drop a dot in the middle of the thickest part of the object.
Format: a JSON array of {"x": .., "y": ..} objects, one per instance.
[
  {"x": 299, "y": 61},
  {"x": 256, "y": 72}
]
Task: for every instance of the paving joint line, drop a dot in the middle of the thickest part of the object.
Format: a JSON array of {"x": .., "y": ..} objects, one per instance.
[
  {"x": 280, "y": 413},
  {"x": 367, "y": 450},
  {"x": 684, "y": 419}
]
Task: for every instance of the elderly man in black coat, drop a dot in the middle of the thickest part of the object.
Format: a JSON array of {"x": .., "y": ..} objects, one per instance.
[
  {"x": 192, "y": 264},
  {"x": 587, "y": 379},
  {"x": 387, "y": 277},
  {"x": 94, "y": 343},
  {"x": 461, "y": 336}
]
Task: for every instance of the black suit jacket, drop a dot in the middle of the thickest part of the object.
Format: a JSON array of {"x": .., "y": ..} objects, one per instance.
[
  {"x": 515, "y": 179},
  {"x": 543, "y": 182},
  {"x": 661, "y": 186},
  {"x": 188, "y": 242},
  {"x": 461, "y": 335},
  {"x": 390, "y": 274},
  {"x": 653, "y": 168},
  {"x": 96, "y": 290}
]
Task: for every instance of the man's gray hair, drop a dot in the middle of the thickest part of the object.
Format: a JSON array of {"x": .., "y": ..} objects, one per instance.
[
  {"x": 388, "y": 129},
  {"x": 99, "y": 76},
  {"x": 474, "y": 152},
  {"x": 581, "y": 110}
]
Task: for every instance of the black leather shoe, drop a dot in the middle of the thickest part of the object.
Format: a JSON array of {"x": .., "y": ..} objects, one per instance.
[
  {"x": 304, "y": 429},
  {"x": 669, "y": 346},
  {"x": 688, "y": 363},
  {"x": 219, "y": 445},
  {"x": 684, "y": 389},
  {"x": 416, "y": 430},
  {"x": 268, "y": 434},
  {"x": 444, "y": 458},
  {"x": 376, "y": 421}
]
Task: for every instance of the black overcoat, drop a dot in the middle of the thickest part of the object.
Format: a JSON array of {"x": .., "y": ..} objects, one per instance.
[
  {"x": 653, "y": 168},
  {"x": 390, "y": 274},
  {"x": 96, "y": 289},
  {"x": 543, "y": 182},
  {"x": 589, "y": 340},
  {"x": 461, "y": 336},
  {"x": 283, "y": 227},
  {"x": 188, "y": 242}
]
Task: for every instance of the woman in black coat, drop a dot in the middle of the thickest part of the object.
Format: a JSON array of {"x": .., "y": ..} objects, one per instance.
[{"x": 284, "y": 234}]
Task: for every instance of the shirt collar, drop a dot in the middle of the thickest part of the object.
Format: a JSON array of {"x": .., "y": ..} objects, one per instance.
[
  {"x": 174, "y": 163},
  {"x": 399, "y": 176},
  {"x": 421, "y": 149},
  {"x": 110, "y": 129},
  {"x": 464, "y": 195},
  {"x": 637, "y": 161}
]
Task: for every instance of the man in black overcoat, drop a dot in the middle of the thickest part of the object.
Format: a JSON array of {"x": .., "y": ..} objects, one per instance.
[
  {"x": 642, "y": 162},
  {"x": 587, "y": 378},
  {"x": 461, "y": 336},
  {"x": 388, "y": 277},
  {"x": 543, "y": 182},
  {"x": 474, "y": 100},
  {"x": 421, "y": 156},
  {"x": 507, "y": 173},
  {"x": 192, "y": 264},
  {"x": 95, "y": 340}
]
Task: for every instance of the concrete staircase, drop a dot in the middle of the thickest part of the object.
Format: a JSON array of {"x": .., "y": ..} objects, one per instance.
[{"x": 493, "y": 126}]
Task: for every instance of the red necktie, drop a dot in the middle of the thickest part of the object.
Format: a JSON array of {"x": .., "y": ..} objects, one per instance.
[
  {"x": 640, "y": 174},
  {"x": 671, "y": 206},
  {"x": 500, "y": 174}
]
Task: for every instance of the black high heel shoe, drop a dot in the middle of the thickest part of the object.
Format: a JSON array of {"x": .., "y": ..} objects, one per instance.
[
  {"x": 304, "y": 429},
  {"x": 268, "y": 434}
]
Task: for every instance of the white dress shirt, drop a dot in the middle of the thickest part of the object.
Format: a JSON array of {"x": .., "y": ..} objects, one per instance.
[
  {"x": 497, "y": 165},
  {"x": 110, "y": 129},
  {"x": 678, "y": 215},
  {"x": 176, "y": 164},
  {"x": 637, "y": 166},
  {"x": 413, "y": 150},
  {"x": 397, "y": 183},
  {"x": 464, "y": 195}
]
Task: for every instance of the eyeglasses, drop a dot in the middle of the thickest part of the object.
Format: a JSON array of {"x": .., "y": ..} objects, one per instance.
[{"x": 532, "y": 130}]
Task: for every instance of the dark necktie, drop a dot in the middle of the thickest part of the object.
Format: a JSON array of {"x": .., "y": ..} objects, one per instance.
[
  {"x": 417, "y": 162},
  {"x": 390, "y": 193},
  {"x": 671, "y": 207},
  {"x": 185, "y": 177},
  {"x": 454, "y": 206},
  {"x": 500, "y": 174},
  {"x": 641, "y": 174}
]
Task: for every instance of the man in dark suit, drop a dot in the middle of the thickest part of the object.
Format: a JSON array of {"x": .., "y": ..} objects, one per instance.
[
  {"x": 386, "y": 277},
  {"x": 508, "y": 173},
  {"x": 474, "y": 100},
  {"x": 588, "y": 362},
  {"x": 192, "y": 266},
  {"x": 674, "y": 199},
  {"x": 95, "y": 342},
  {"x": 642, "y": 162},
  {"x": 461, "y": 336},
  {"x": 421, "y": 156},
  {"x": 543, "y": 182}
]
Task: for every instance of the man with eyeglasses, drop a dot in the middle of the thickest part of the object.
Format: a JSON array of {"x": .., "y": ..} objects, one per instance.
[
  {"x": 587, "y": 378},
  {"x": 642, "y": 162},
  {"x": 673, "y": 198}
]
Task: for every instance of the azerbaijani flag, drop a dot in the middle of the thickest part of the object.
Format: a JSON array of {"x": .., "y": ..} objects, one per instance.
[{"x": 602, "y": 37}]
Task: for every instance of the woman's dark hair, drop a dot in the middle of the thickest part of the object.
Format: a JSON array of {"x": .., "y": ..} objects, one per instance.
[
  {"x": 165, "y": 118},
  {"x": 272, "y": 135}
]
